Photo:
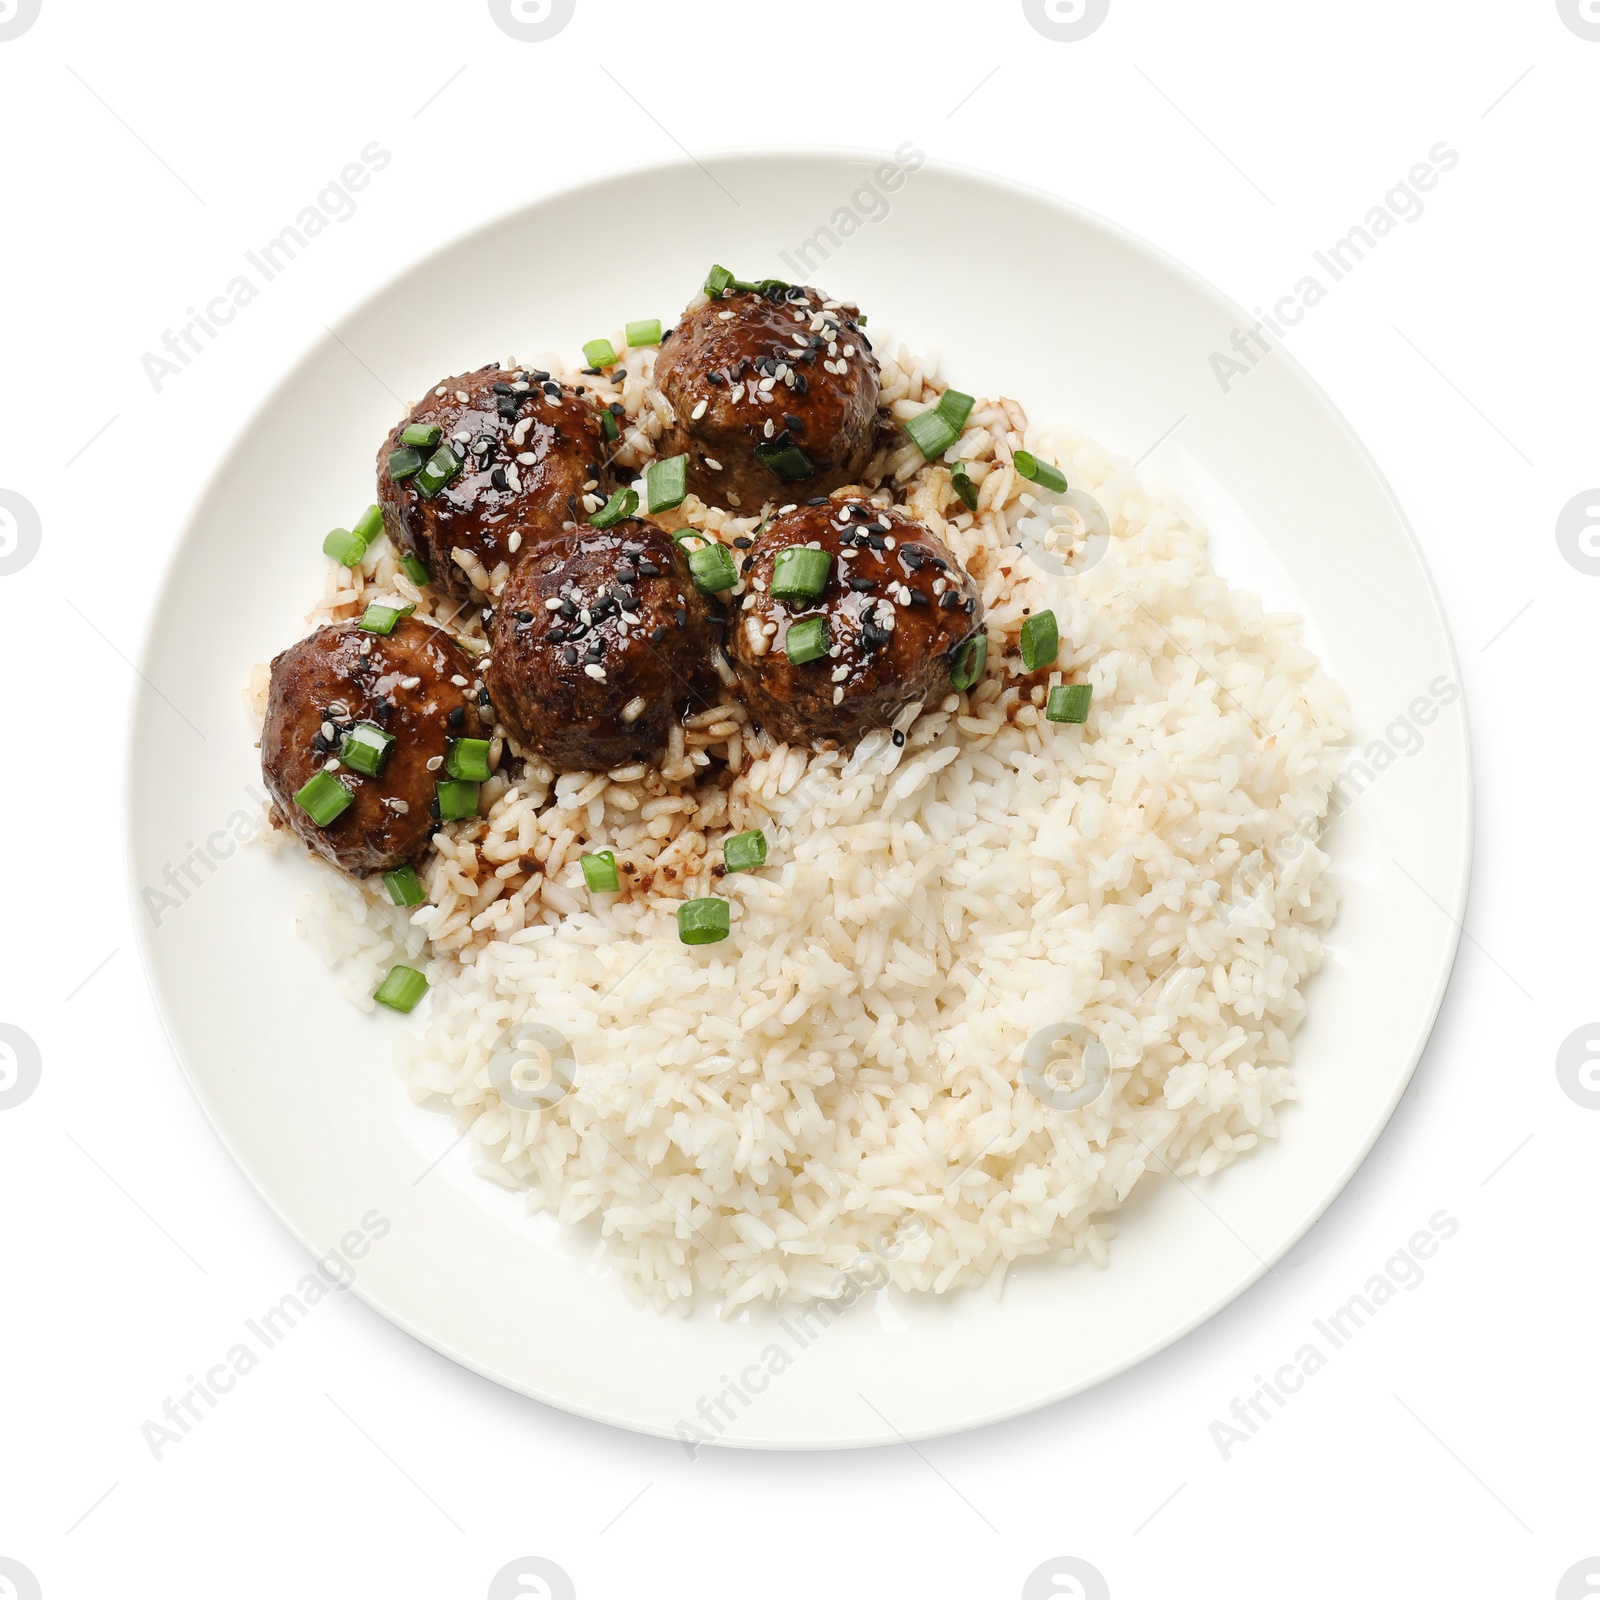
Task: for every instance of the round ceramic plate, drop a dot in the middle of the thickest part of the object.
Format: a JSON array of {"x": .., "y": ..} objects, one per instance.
[{"x": 1084, "y": 325}]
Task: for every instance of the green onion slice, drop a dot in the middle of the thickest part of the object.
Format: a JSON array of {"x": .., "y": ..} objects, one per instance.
[
  {"x": 787, "y": 462},
  {"x": 437, "y": 471},
  {"x": 600, "y": 872},
  {"x": 712, "y": 569},
  {"x": 961, "y": 481},
  {"x": 323, "y": 798},
  {"x": 598, "y": 353},
  {"x": 401, "y": 990},
  {"x": 805, "y": 641},
  {"x": 404, "y": 464},
  {"x": 1041, "y": 641},
  {"x": 609, "y": 431},
  {"x": 718, "y": 281},
  {"x": 743, "y": 852},
  {"x": 458, "y": 799},
  {"x": 1039, "y": 472},
  {"x": 365, "y": 749},
  {"x": 345, "y": 547},
  {"x": 931, "y": 432},
  {"x": 666, "y": 484},
  {"x": 970, "y": 660},
  {"x": 413, "y": 569},
  {"x": 404, "y": 887},
  {"x": 369, "y": 525},
  {"x": 469, "y": 759},
  {"x": 645, "y": 332},
  {"x": 421, "y": 435},
  {"x": 1069, "y": 702},
  {"x": 381, "y": 619},
  {"x": 955, "y": 408},
  {"x": 703, "y": 921},
  {"x": 800, "y": 573},
  {"x": 622, "y": 504}
]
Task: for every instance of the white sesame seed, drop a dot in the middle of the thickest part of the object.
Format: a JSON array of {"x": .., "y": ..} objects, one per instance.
[
  {"x": 461, "y": 436},
  {"x": 331, "y": 764},
  {"x": 434, "y": 763},
  {"x": 840, "y": 674},
  {"x": 767, "y": 429},
  {"x": 397, "y": 805},
  {"x": 514, "y": 542},
  {"x": 736, "y": 394},
  {"x": 440, "y": 389},
  {"x": 327, "y": 730},
  {"x": 838, "y": 695},
  {"x": 766, "y": 385},
  {"x": 630, "y": 619},
  {"x": 724, "y": 316},
  {"x": 458, "y": 681},
  {"x": 461, "y": 395},
  {"x": 519, "y": 434},
  {"x": 888, "y": 541},
  {"x": 849, "y": 349},
  {"x": 749, "y": 600},
  {"x": 410, "y": 683},
  {"x": 597, "y": 673},
  {"x": 553, "y": 603},
  {"x": 514, "y": 478},
  {"x": 716, "y": 466},
  {"x": 699, "y": 411},
  {"x": 528, "y": 459},
  {"x": 521, "y": 387},
  {"x": 634, "y": 709},
  {"x": 584, "y": 617},
  {"x": 769, "y": 628}
]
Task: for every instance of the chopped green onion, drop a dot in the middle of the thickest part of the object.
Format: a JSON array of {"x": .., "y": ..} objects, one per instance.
[
  {"x": 458, "y": 799},
  {"x": 413, "y": 569},
  {"x": 600, "y": 872},
  {"x": 666, "y": 484},
  {"x": 468, "y": 758},
  {"x": 609, "y": 431},
  {"x": 646, "y": 332},
  {"x": 703, "y": 921},
  {"x": 622, "y": 504},
  {"x": 401, "y": 990},
  {"x": 787, "y": 462},
  {"x": 971, "y": 658},
  {"x": 323, "y": 798},
  {"x": 381, "y": 619},
  {"x": 805, "y": 641},
  {"x": 404, "y": 464},
  {"x": 1039, "y": 472},
  {"x": 935, "y": 430},
  {"x": 369, "y": 525},
  {"x": 1041, "y": 641},
  {"x": 598, "y": 353},
  {"x": 345, "y": 547},
  {"x": 712, "y": 569},
  {"x": 403, "y": 887},
  {"x": 800, "y": 573},
  {"x": 421, "y": 435},
  {"x": 365, "y": 749},
  {"x": 718, "y": 281},
  {"x": 955, "y": 408},
  {"x": 961, "y": 481},
  {"x": 744, "y": 852},
  {"x": 1069, "y": 702},
  {"x": 437, "y": 471}
]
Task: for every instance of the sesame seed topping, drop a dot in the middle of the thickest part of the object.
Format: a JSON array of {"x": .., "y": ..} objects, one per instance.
[
  {"x": 434, "y": 763},
  {"x": 597, "y": 673}
]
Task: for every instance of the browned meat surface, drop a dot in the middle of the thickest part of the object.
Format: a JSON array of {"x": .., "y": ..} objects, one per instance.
[
  {"x": 813, "y": 422},
  {"x": 897, "y": 606},
  {"x": 599, "y": 639},
  {"x": 403, "y": 683},
  {"x": 529, "y": 449}
]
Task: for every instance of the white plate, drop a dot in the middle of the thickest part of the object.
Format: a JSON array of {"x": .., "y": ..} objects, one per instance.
[{"x": 1024, "y": 295}]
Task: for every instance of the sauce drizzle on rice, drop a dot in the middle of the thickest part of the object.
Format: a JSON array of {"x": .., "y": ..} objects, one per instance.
[{"x": 748, "y": 1118}]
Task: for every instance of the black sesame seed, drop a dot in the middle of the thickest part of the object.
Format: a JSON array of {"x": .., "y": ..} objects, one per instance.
[
  {"x": 749, "y": 561},
  {"x": 863, "y": 585},
  {"x": 940, "y": 563},
  {"x": 542, "y": 377},
  {"x": 483, "y": 698},
  {"x": 793, "y": 423},
  {"x": 456, "y": 716},
  {"x": 557, "y": 636},
  {"x": 658, "y": 633},
  {"x": 715, "y": 379},
  {"x": 899, "y": 738},
  {"x": 502, "y": 388},
  {"x": 618, "y": 374},
  {"x": 568, "y": 609},
  {"x": 499, "y": 480},
  {"x": 570, "y": 656},
  {"x": 913, "y": 557},
  {"x": 918, "y": 598},
  {"x": 949, "y": 600},
  {"x": 681, "y": 617},
  {"x": 742, "y": 543},
  {"x": 592, "y": 372},
  {"x": 970, "y": 607},
  {"x": 875, "y": 540},
  {"x": 433, "y": 808},
  {"x": 817, "y": 500},
  {"x": 617, "y": 409},
  {"x": 648, "y": 569},
  {"x": 523, "y": 616}
]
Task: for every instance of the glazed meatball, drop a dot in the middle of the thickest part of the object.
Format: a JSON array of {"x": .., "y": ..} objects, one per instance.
[
  {"x": 897, "y": 611},
  {"x": 600, "y": 638},
  {"x": 342, "y": 683},
  {"x": 774, "y": 394},
  {"x": 528, "y": 447}
]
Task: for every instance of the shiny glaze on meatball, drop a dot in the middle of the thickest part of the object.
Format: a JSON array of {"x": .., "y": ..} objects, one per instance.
[
  {"x": 530, "y": 448},
  {"x": 897, "y": 606},
  {"x": 769, "y": 375},
  {"x": 404, "y": 683},
  {"x": 601, "y": 637}
]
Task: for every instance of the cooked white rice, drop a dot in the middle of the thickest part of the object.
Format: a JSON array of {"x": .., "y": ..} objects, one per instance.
[{"x": 748, "y": 1118}]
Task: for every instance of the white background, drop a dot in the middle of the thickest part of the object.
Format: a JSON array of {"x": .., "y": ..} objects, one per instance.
[{"x": 1448, "y": 1448}]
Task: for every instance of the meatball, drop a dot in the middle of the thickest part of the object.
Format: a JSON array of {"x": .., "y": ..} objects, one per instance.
[
  {"x": 527, "y": 447},
  {"x": 896, "y": 610},
  {"x": 772, "y": 394},
  {"x": 600, "y": 638},
  {"x": 414, "y": 687}
]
